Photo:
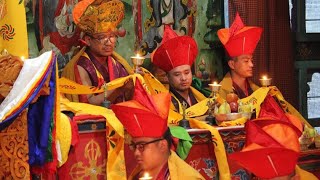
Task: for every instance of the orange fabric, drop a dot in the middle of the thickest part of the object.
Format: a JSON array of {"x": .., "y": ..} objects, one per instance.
[
  {"x": 79, "y": 9},
  {"x": 284, "y": 135},
  {"x": 295, "y": 121},
  {"x": 252, "y": 146}
]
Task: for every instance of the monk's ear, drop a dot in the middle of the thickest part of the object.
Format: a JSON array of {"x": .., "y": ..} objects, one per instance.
[
  {"x": 163, "y": 145},
  {"x": 87, "y": 40},
  {"x": 231, "y": 64}
]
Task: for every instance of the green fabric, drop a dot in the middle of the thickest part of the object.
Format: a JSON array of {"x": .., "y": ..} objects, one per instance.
[
  {"x": 185, "y": 141},
  {"x": 197, "y": 84}
]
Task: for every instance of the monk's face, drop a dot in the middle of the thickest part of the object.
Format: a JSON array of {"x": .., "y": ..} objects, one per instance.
[
  {"x": 101, "y": 44},
  {"x": 150, "y": 153},
  {"x": 180, "y": 78},
  {"x": 242, "y": 66}
]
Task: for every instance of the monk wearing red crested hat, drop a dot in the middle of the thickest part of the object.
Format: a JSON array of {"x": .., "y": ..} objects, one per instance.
[
  {"x": 240, "y": 42},
  {"x": 175, "y": 56},
  {"x": 145, "y": 119}
]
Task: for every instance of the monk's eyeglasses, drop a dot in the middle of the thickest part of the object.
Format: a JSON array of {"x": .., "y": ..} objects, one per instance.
[
  {"x": 140, "y": 145},
  {"x": 105, "y": 40}
]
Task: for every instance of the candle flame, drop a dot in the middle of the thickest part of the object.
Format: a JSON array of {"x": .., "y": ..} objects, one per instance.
[
  {"x": 214, "y": 83},
  {"x": 22, "y": 58},
  {"x": 264, "y": 77},
  {"x": 146, "y": 175}
]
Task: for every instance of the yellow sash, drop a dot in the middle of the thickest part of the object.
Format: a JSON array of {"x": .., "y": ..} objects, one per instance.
[
  {"x": 69, "y": 73},
  {"x": 198, "y": 109},
  {"x": 257, "y": 98},
  {"x": 219, "y": 148}
]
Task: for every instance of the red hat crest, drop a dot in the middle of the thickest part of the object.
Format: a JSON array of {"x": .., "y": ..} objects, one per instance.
[
  {"x": 145, "y": 115},
  {"x": 239, "y": 39},
  {"x": 272, "y": 148},
  {"x": 174, "y": 50}
]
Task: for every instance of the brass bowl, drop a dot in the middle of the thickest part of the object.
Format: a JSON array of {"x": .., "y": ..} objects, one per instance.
[
  {"x": 265, "y": 82},
  {"x": 138, "y": 61},
  {"x": 228, "y": 117},
  {"x": 247, "y": 115}
]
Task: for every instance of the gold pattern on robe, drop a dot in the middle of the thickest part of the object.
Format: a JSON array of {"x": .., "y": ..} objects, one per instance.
[{"x": 14, "y": 149}]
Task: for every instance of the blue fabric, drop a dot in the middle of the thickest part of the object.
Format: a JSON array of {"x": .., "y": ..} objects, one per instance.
[
  {"x": 40, "y": 115},
  {"x": 6, "y": 122}
]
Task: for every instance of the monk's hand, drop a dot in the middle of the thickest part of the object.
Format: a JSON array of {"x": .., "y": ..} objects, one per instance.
[
  {"x": 139, "y": 70},
  {"x": 128, "y": 89}
]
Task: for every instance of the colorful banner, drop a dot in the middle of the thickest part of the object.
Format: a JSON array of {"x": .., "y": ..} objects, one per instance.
[{"x": 13, "y": 27}]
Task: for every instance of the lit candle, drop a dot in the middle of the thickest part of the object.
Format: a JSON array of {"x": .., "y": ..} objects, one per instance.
[
  {"x": 215, "y": 86},
  {"x": 146, "y": 176},
  {"x": 22, "y": 58},
  {"x": 137, "y": 61},
  {"x": 265, "y": 81},
  {"x": 137, "y": 56}
]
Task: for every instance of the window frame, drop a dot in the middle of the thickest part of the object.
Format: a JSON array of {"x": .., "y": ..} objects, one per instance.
[{"x": 301, "y": 35}]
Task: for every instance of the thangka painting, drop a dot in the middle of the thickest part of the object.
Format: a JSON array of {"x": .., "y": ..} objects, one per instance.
[
  {"x": 151, "y": 15},
  {"x": 55, "y": 28}
]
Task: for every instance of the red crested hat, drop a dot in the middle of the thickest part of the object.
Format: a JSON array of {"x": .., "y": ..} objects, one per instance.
[
  {"x": 145, "y": 115},
  {"x": 272, "y": 148},
  {"x": 239, "y": 39},
  {"x": 174, "y": 50}
]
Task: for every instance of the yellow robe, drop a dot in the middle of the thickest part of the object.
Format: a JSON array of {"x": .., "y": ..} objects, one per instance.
[
  {"x": 69, "y": 69},
  {"x": 198, "y": 95},
  {"x": 226, "y": 86},
  {"x": 302, "y": 174},
  {"x": 178, "y": 169}
]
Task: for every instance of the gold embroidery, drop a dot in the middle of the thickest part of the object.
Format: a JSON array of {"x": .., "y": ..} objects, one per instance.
[
  {"x": 14, "y": 149},
  {"x": 92, "y": 152}
]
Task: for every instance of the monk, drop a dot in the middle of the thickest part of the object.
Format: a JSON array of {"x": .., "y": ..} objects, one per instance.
[
  {"x": 97, "y": 63},
  {"x": 175, "y": 56},
  {"x": 151, "y": 138},
  {"x": 240, "y": 42}
]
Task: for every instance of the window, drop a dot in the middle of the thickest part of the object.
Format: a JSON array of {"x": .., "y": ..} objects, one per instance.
[
  {"x": 313, "y": 97},
  {"x": 312, "y": 15},
  {"x": 305, "y": 19}
]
